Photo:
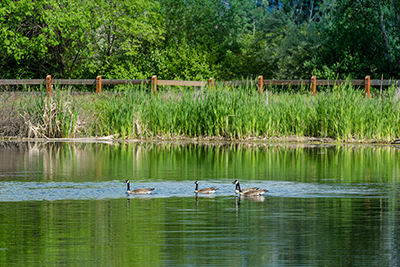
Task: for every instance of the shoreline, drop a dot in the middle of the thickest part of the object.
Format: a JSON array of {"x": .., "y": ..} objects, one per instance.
[{"x": 308, "y": 141}]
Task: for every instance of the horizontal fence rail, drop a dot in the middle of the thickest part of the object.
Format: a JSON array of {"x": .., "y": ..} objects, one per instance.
[
  {"x": 313, "y": 83},
  {"x": 71, "y": 82}
]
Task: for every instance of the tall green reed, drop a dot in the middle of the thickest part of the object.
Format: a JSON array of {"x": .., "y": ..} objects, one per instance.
[{"x": 341, "y": 112}]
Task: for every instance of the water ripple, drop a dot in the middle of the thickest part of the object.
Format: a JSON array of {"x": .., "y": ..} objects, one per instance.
[{"x": 36, "y": 191}]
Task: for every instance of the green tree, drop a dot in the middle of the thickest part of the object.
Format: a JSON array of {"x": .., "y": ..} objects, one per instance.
[
  {"x": 354, "y": 41},
  {"x": 23, "y": 43},
  {"x": 287, "y": 38},
  {"x": 215, "y": 29},
  {"x": 73, "y": 39},
  {"x": 128, "y": 38},
  {"x": 184, "y": 62}
]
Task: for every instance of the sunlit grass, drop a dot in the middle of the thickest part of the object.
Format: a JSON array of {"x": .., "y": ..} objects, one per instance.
[{"x": 341, "y": 112}]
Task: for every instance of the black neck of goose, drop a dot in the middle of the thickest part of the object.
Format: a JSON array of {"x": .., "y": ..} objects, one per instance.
[
  {"x": 197, "y": 187},
  {"x": 238, "y": 187},
  {"x": 128, "y": 187}
]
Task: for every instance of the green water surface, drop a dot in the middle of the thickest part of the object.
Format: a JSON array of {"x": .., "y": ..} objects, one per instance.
[{"x": 64, "y": 204}]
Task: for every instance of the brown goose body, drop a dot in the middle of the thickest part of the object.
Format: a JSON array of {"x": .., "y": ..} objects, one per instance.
[
  {"x": 254, "y": 193},
  {"x": 209, "y": 190},
  {"x": 139, "y": 191},
  {"x": 249, "y": 192},
  {"x": 243, "y": 190}
]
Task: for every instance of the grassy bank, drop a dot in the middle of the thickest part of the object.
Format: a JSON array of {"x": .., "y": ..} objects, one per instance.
[{"x": 340, "y": 112}]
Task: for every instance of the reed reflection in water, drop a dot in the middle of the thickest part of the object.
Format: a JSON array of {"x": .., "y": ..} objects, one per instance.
[{"x": 95, "y": 162}]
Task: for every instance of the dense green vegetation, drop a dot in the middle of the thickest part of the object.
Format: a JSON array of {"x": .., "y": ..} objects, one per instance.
[
  {"x": 339, "y": 112},
  {"x": 195, "y": 39}
]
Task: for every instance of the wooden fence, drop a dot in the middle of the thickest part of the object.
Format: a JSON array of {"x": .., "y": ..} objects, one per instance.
[{"x": 313, "y": 82}]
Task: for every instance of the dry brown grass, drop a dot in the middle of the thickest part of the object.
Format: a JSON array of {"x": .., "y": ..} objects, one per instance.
[{"x": 11, "y": 123}]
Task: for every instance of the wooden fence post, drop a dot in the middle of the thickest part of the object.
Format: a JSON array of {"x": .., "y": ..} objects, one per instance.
[
  {"x": 211, "y": 83},
  {"x": 367, "y": 86},
  {"x": 48, "y": 85},
  {"x": 260, "y": 84},
  {"x": 313, "y": 85},
  {"x": 98, "y": 84},
  {"x": 154, "y": 84}
]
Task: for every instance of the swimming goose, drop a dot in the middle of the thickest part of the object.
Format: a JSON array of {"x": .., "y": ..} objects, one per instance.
[
  {"x": 244, "y": 190},
  {"x": 210, "y": 190},
  {"x": 254, "y": 193},
  {"x": 139, "y": 191}
]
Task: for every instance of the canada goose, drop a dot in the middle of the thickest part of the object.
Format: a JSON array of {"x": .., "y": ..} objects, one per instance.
[
  {"x": 139, "y": 191},
  {"x": 254, "y": 193},
  {"x": 244, "y": 190},
  {"x": 210, "y": 190}
]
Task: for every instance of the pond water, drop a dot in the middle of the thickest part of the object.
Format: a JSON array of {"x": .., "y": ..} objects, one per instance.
[{"x": 65, "y": 204}]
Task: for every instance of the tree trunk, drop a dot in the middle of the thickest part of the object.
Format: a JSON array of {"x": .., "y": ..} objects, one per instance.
[
  {"x": 396, "y": 14},
  {"x": 389, "y": 56}
]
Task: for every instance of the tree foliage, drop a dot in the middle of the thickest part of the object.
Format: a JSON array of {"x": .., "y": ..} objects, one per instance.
[
  {"x": 354, "y": 44},
  {"x": 198, "y": 39},
  {"x": 73, "y": 39}
]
